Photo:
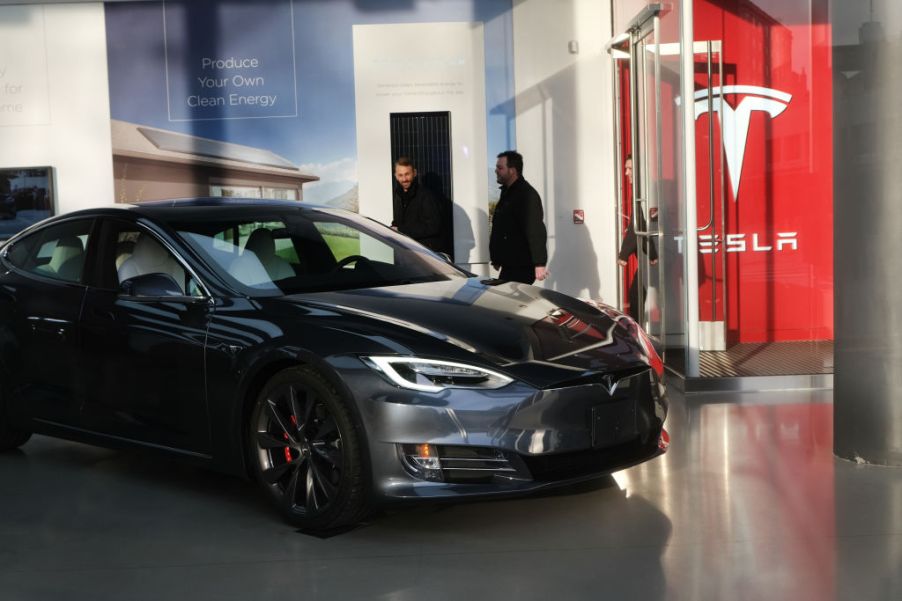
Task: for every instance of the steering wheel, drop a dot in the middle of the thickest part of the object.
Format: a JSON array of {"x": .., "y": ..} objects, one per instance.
[{"x": 348, "y": 260}]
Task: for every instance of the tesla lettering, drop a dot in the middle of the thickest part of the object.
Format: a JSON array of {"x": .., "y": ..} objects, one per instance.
[
  {"x": 789, "y": 239},
  {"x": 734, "y": 123},
  {"x": 738, "y": 243}
]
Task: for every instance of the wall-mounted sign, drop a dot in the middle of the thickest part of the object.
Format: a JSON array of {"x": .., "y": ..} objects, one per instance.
[
  {"x": 579, "y": 216},
  {"x": 26, "y": 197},
  {"x": 212, "y": 76},
  {"x": 23, "y": 67},
  {"x": 767, "y": 128}
]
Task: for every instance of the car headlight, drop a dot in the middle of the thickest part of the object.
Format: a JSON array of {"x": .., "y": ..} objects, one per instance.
[{"x": 432, "y": 375}]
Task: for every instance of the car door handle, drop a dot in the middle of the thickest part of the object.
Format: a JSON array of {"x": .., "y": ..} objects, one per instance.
[
  {"x": 55, "y": 327},
  {"x": 58, "y": 331}
]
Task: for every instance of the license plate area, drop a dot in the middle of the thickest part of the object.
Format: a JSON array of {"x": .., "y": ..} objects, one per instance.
[{"x": 613, "y": 423}]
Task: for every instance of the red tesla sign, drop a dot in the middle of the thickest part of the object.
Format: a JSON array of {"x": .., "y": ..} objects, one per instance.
[{"x": 772, "y": 161}]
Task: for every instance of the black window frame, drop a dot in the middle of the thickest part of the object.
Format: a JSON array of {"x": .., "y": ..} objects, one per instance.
[{"x": 107, "y": 226}]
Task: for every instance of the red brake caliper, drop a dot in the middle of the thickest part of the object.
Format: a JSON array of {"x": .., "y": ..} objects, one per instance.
[{"x": 294, "y": 422}]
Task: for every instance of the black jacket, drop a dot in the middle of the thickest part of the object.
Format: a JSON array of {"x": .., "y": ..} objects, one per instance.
[
  {"x": 518, "y": 230},
  {"x": 630, "y": 243},
  {"x": 417, "y": 213}
]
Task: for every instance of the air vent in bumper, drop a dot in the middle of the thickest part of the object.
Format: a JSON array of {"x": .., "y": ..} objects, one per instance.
[{"x": 463, "y": 465}]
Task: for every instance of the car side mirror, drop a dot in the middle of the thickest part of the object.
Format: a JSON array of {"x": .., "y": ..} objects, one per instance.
[{"x": 151, "y": 284}]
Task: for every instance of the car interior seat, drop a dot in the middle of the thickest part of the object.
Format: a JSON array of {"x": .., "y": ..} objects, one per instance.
[
  {"x": 262, "y": 244},
  {"x": 150, "y": 257},
  {"x": 68, "y": 258},
  {"x": 124, "y": 249}
]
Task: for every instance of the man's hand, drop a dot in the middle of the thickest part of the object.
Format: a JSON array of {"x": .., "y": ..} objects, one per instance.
[
  {"x": 621, "y": 262},
  {"x": 541, "y": 273}
]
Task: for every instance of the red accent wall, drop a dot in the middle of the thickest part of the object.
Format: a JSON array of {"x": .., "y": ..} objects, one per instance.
[{"x": 786, "y": 184}]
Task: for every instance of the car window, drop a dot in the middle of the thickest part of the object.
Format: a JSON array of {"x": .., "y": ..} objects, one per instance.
[
  {"x": 56, "y": 251},
  {"x": 346, "y": 242},
  {"x": 282, "y": 245},
  {"x": 311, "y": 250},
  {"x": 342, "y": 240},
  {"x": 137, "y": 252},
  {"x": 254, "y": 253}
]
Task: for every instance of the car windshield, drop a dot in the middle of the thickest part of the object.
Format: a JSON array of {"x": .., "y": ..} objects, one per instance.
[{"x": 274, "y": 251}]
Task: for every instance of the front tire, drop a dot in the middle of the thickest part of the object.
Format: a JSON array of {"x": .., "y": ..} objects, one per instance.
[{"x": 305, "y": 451}]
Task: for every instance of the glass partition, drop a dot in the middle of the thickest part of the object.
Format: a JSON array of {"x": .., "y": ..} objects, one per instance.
[{"x": 725, "y": 110}]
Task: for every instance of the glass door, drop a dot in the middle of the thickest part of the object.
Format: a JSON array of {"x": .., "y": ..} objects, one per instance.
[
  {"x": 649, "y": 211},
  {"x": 652, "y": 206},
  {"x": 648, "y": 287}
]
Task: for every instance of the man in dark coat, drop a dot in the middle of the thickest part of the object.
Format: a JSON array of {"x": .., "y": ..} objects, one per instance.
[
  {"x": 415, "y": 211},
  {"x": 517, "y": 245}
]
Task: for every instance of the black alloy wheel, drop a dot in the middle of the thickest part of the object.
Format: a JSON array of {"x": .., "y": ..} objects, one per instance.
[{"x": 305, "y": 451}]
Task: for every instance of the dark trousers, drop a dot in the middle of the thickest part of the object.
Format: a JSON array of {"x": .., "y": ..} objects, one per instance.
[
  {"x": 635, "y": 311},
  {"x": 527, "y": 275},
  {"x": 633, "y": 298}
]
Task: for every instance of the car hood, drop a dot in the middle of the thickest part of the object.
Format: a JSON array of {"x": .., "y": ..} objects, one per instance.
[{"x": 540, "y": 333}]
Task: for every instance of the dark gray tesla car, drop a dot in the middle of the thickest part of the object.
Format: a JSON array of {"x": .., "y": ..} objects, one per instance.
[{"x": 339, "y": 364}]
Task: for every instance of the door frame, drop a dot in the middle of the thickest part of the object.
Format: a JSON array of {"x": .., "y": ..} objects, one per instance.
[{"x": 620, "y": 47}]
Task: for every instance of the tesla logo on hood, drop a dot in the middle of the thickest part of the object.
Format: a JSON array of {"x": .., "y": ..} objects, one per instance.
[{"x": 734, "y": 122}]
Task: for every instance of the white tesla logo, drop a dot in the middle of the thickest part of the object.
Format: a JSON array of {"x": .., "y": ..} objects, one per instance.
[{"x": 734, "y": 123}]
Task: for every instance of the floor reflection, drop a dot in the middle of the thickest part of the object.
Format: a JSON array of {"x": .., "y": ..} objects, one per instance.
[
  {"x": 749, "y": 488},
  {"x": 749, "y": 503}
]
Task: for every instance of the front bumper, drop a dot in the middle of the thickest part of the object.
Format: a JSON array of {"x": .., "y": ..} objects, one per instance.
[{"x": 507, "y": 441}]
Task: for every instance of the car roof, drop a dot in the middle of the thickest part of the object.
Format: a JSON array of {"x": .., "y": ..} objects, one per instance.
[
  {"x": 187, "y": 207},
  {"x": 171, "y": 207},
  {"x": 182, "y": 208},
  {"x": 218, "y": 201}
]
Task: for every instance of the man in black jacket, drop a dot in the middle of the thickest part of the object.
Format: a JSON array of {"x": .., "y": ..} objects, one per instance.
[
  {"x": 415, "y": 211},
  {"x": 630, "y": 245},
  {"x": 517, "y": 245}
]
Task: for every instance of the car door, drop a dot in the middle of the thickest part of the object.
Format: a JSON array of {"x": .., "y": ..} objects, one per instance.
[
  {"x": 40, "y": 306},
  {"x": 146, "y": 351}
]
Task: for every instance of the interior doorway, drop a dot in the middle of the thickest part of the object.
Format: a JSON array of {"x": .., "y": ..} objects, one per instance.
[{"x": 425, "y": 138}]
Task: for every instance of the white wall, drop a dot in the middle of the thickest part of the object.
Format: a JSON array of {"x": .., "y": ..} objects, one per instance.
[
  {"x": 425, "y": 67},
  {"x": 53, "y": 82},
  {"x": 564, "y": 128},
  {"x": 564, "y": 121}
]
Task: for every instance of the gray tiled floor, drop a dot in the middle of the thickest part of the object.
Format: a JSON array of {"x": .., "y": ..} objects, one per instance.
[{"x": 748, "y": 504}]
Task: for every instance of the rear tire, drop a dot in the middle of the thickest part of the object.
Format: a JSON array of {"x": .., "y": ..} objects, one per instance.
[
  {"x": 10, "y": 438},
  {"x": 305, "y": 450}
]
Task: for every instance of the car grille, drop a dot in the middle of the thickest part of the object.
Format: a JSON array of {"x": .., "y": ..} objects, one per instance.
[
  {"x": 553, "y": 467},
  {"x": 563, "y": 466},
  {"x": 482, "y": 465}
]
